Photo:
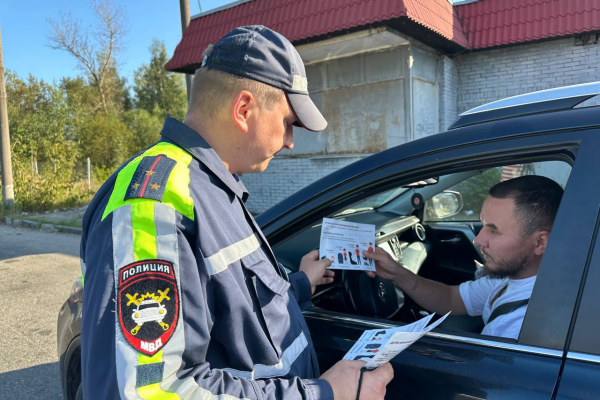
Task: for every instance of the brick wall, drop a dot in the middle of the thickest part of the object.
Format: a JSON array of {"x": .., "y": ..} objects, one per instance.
[
  {"x": 489, "y": 75},
  {"x": 285, "y": 176}
]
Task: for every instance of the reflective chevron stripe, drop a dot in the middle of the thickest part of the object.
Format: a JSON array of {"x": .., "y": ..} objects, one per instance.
[
  {"x": 281, "y": 368},
  {"x": 219, "y": 261},
  {"x": 82, "y": 264}
]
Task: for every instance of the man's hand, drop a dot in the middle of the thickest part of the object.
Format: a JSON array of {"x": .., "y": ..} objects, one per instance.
[
  {"x": 386, "y": 266},
  {"x": 316, "y": 270},
  {"x": 343, "y": 378}
]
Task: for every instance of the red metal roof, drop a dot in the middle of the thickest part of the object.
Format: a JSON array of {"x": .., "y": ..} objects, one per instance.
[
  {"x": 489, "y": 23},
  {"x": 439, "y": 16},
  {"x": 483, "y": 24},
  {"x": 301, "y": 19}
]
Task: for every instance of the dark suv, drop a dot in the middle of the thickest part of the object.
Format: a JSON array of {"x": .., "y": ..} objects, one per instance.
[{"x": 557, "y": 354}]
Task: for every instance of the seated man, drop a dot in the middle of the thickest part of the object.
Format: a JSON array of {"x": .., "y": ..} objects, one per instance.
[{"x": 517, "y": 217}]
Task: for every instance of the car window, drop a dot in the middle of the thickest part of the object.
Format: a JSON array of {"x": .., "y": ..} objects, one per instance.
[
  {"x": 442, "y": 253},
  {"x": 374, "y": 201},
  {"x": 472, "y": 192}
]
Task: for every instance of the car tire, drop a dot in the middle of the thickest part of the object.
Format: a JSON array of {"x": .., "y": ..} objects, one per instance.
[{"x": 79, "y": 394}]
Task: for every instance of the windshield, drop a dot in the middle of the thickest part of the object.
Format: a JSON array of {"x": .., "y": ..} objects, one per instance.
[{"x": 374, "y": 201}]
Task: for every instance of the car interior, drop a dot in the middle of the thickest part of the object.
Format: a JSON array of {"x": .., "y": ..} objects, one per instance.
[{"x": 432, "y": 236}]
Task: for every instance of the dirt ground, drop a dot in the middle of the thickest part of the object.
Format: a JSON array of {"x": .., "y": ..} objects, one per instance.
[{"x": 38, "y": 270}]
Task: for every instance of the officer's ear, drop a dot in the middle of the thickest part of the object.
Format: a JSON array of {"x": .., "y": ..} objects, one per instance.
[{"x": 243, "y": 109}]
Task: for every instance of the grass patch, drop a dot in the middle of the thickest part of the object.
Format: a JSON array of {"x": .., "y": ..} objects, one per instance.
[
  {"x": 74, "y": 222},
  {"x": 76, "y": 195},
  {"x": 13, "y": 212}
]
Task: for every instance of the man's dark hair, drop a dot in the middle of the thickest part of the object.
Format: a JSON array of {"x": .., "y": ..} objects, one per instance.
[{"x": 536, "y": 201}]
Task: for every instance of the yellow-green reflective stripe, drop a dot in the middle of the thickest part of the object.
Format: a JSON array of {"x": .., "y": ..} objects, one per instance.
[
  {"x": 144, "y": 230},
  {"x": 177, "y": 190},
  {"x": 154, "y": 392},
  {"x": 81, "y": 280},
  {"x": 144, "y": 246},
  {"x": 144, "y": 359}
]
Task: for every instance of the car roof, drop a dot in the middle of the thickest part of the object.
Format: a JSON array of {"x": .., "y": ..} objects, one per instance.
[{"x": 561, "y": 98}]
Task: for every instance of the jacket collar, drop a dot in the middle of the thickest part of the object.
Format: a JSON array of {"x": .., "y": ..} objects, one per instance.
[{"x": 194, "y": 143}]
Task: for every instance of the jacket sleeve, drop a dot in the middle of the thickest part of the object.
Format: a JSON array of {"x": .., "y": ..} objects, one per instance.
[
  {"x": 156, "y": 364},
  {"x": 300, "y": 286}
]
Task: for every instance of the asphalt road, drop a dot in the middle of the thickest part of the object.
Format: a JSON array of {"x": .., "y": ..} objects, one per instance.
[{"x": 37, "y": 270}]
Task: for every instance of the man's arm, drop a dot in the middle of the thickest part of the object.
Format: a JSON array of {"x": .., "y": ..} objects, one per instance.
[
  {"x": 312, "y": 273},
  {"x": 431, "y": 295}
]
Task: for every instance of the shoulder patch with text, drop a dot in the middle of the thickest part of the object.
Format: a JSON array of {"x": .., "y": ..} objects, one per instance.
[
  {"x": 148, "y": 304},
  {"x": 150, "y": 178}
]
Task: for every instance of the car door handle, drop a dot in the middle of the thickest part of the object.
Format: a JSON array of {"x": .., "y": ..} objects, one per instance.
[{"x": 454, "y": 240}]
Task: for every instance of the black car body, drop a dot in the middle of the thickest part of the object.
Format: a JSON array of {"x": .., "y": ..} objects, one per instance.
[{"x": 557, "y": 355}]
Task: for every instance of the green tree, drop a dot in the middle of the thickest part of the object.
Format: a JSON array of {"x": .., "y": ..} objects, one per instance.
[
  {"x": 118, "y": 98},
  {"x": 43, "y": 160},
  {"x": 105, "y": 140},
  {"x": 474, "y": 191},
  {"x": 144, "y": 127},
  {"x": 158, "y": 91},
  {"x": 80, "y": 99}
]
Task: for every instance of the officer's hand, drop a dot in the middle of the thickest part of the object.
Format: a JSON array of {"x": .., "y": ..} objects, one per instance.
[
  {"x": 343, "y": 378},
  {"x": 385, "y": 265},
  {"x": 316, "y": 270}
]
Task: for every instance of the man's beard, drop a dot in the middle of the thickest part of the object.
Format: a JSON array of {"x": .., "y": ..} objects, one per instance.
[{"x": 506, "y": 268}]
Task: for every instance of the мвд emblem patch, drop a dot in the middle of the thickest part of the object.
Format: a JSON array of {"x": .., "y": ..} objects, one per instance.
[{"x": 148, "y": 304}]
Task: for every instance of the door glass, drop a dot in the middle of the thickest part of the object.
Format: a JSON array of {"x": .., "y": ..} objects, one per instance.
[{"x": 472, "y": 191}]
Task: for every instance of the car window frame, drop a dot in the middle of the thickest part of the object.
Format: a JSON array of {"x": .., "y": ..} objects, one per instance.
[
  {"x": 585, "y": 341},
  {"x": 464, "y": 158}
]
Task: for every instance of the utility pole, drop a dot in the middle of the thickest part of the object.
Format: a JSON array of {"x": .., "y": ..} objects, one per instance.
[
  {"x": 184, "y": 6},
  {"x": 8, "y": 193}
]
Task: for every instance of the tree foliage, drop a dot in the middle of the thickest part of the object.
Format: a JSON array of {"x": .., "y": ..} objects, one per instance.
[
  {"x": 55, "y": 127},
  {"x": 43, "y": 159},
  {"x": 474, "y": 191},
  {"x": 144, "y": 129},
  {"x": 104, "y": 140},
  {"x": 158, "y": 91}
]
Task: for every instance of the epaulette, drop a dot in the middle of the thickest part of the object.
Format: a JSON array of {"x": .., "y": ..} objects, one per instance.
[{"x": 150, "y": 178}]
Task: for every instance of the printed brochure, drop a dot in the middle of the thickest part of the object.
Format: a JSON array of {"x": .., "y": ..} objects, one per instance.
[
  {"x": 343, "y": 243},
  {"x": 378, "y": 346}
]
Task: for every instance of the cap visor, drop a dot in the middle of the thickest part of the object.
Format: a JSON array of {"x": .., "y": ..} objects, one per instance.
[{"x": 308, "y": 114}]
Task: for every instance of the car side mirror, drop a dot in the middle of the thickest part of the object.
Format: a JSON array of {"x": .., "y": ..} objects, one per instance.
[{"x": 446, "y": 204}]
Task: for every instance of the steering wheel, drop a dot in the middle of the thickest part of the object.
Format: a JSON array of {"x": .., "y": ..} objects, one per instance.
[
  {"x": 379, "y": 297},
  {"x": 372, "y": 297}
]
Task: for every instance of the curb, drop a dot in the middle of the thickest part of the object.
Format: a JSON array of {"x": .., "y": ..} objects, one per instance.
[
  {"x": 41, "y": 226},
  {"x": 68, "y": 229}
]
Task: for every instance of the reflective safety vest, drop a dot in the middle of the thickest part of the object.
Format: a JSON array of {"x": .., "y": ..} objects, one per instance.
[{"x": 183, "y": 297}]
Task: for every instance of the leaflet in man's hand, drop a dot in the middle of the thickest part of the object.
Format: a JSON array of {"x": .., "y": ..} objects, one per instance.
[
  {"x": 343, "y": 243},
  {"x": 378, "y": 346}
]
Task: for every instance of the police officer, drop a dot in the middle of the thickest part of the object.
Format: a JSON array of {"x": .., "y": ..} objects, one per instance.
[{"x": 183, "y": 295}]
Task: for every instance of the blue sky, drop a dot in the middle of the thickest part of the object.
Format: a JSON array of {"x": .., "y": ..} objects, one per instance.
[{"x": 25, "y": 44}]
